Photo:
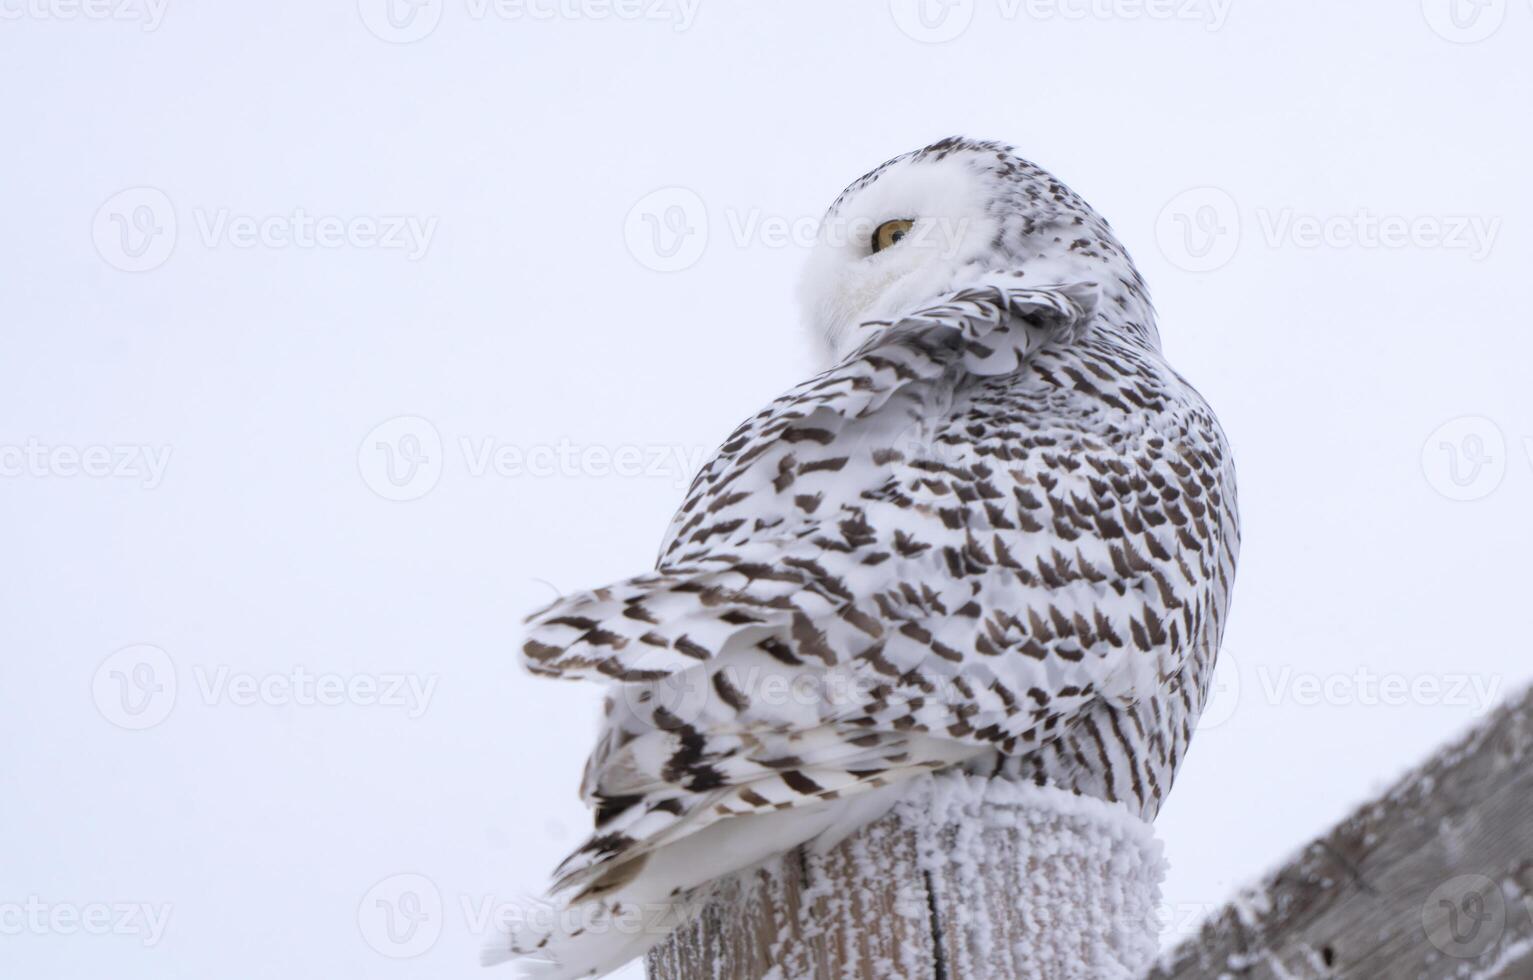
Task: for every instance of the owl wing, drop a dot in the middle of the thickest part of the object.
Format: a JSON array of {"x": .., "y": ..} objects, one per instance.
[
  {"x": 759, "y": 487},
  {"x": 928, "y": 606}
]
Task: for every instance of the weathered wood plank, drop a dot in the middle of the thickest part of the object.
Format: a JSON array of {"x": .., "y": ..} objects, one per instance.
[
  {"x": 972, "y": 880},
  {"x": 1433, "y": 879}
]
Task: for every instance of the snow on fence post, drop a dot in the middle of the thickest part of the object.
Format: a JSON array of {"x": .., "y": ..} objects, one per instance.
[{"x": 968, "y": 879}]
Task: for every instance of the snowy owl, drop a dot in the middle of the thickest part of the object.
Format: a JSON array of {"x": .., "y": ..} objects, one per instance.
[{"x": 998, "y": 532}]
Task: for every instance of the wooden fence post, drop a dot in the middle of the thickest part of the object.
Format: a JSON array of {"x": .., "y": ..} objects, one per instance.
[{"x": 966, "y": 880}]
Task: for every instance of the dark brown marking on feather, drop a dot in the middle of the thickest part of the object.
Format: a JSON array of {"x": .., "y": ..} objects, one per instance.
[
  {"x": 800, "y": 783},
  {"x": 827, "y": 465},
  {"x": 730, "y": 694}
]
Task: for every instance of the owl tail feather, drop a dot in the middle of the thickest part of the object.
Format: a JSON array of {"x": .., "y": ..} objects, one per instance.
[
  {"x": 593, "y": 936},
  {"x": 582, "y": 939}
]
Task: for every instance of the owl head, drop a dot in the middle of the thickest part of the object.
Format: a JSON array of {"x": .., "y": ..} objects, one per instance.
[{"x": 937, "y": 219}]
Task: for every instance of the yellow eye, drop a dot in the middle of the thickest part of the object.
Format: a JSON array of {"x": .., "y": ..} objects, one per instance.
[{"x": 890, "y": 232}]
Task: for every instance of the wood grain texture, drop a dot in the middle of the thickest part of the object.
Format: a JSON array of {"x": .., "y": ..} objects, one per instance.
[
  {"x": 1432, "y": 880},
  {"x": 1041, "y": 884}
]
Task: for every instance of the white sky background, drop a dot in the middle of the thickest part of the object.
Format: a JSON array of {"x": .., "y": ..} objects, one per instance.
[{"x": 261, "y": 550}]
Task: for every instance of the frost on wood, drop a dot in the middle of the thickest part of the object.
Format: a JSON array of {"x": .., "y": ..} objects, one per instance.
[
  {"x": 966, "y": 879},
  {"x": 1432, "y": 879}
]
